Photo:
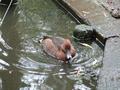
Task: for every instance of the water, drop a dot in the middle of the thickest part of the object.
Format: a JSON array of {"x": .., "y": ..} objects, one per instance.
[{"x": 24, "y": 65}]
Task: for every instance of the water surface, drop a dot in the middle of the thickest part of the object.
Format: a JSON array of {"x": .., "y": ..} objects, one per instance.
[{"x": 24, "y": 65}]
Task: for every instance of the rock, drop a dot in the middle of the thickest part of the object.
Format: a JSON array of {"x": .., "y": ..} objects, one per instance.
[{"x": 83, "y": 33}]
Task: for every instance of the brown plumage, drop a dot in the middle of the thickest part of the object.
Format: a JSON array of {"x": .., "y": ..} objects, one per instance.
[{"x": 59, "y": 48}]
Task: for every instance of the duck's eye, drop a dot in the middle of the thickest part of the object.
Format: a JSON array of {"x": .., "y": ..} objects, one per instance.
[
  {"x": 68, "y": 47},
  {"x": 64, "y": 50}
]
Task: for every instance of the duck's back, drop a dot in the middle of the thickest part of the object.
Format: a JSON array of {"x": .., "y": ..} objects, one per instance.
[
  {"x": 58, "y": 41},
  {"x": 49, "y": 47}
]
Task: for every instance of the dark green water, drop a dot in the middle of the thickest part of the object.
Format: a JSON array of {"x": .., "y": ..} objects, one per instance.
[{"x": 23, "y": 64}]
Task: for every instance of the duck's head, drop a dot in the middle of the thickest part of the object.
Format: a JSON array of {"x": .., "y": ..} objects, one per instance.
[{"x": 66, "y": 48}]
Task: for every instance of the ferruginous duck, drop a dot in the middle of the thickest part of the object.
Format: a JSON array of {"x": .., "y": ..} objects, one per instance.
[{"x": 59, "y": 48}]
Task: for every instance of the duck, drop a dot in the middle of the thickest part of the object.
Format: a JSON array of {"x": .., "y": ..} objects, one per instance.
[{"x": 58, "y": 48}]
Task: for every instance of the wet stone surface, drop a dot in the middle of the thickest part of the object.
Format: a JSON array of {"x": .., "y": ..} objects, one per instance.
[
  {"x": 97, "y": 16},
  {"x": 111, "y": 66},
  {"x": 89, "y": 10},
  {"x": 113, "y": 6},
  {"x": 109, "y": 29}
]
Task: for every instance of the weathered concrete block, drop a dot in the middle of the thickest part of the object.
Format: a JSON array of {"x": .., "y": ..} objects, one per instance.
[
  {"x": 109, "y": 78},
  {"x": 109, "y": 29},
  {"x": 89, "y": 10},
  {"x": 83, "y": 33}
]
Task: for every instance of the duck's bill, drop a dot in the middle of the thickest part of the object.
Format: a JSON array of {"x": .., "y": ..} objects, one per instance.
[
  {"x": 69, "y": 57},
  {"x": 70, "y": 61}
]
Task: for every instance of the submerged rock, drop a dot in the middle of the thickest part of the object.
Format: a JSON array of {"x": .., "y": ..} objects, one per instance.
[{"x": 83, "y": 33}]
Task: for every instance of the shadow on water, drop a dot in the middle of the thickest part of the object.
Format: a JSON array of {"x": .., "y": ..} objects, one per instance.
[
  {"x": 9, "y": 75},
  {"x": 24, "y": 65}
]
